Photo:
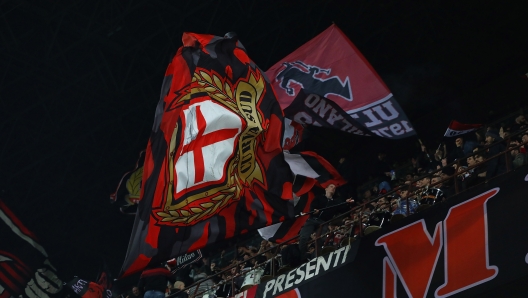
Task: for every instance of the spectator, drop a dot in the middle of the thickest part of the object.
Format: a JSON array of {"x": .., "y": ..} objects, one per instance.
[
  {"x": 382, "y": 170},
  {"x": 463, "y": 148},
  {"x": 205, "y": 287},
  {"x": 497, "y": 165},
  {"x": 524, "y": 140},
  {"x": 153, "y": 281},
  {"x": 519, "y": 159},
  {"x": 134, "y": 293},
  {"x": 481, "y": 172},
  {"x": 331, "y": 206},
  {"x": 471, "y": 178},
  {"x": 177, "y": 290},
  {"x": 183, "y": 275},
  {"x": 367, "y": 196},
  {"x": 519, "y": 123},
  {"x": 447, "y": 183}
]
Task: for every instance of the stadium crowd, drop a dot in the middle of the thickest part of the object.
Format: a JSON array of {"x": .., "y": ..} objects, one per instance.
[{"x": 334, "y": 221}]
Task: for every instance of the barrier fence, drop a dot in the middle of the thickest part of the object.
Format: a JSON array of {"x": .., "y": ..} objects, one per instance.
[{"x": 365, "y": 218}]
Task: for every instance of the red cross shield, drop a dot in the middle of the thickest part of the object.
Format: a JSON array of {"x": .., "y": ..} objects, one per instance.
[{"x": 208, "y": 143}]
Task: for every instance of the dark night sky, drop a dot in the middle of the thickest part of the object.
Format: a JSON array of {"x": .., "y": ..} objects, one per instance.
[{"x": 79, "y": 81}]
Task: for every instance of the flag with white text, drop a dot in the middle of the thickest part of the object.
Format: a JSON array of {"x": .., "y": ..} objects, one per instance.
[{"x": 331, "y": 66}]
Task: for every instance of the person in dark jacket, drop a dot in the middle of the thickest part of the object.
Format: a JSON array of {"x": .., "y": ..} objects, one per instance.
[
  {"x": 322, "y": 208},
  {"x": 153, "y": 281},
  {"x": 497, "y": 165},
  {"x": 177, "y": 290}
]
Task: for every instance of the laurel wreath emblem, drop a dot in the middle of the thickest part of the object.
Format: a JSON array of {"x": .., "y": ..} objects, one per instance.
[{"x": 203, "y": 205}]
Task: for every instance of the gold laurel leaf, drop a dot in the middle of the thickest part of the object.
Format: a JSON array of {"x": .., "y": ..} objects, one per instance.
[
  {"x": 206, "y": 76},
  {"x": 201, "y": 216},
  {"x": 163, "y": 214},
  {"x": 218, "y": 198},
  {"x": 223, "y": 203},
  {"x": 210, "y": 89},
  {"x": 217, "y": 82},
  {"x": 220, "y": 95},
  {"x": 228, "y": 90},
  {"x": 174, "y": 213},
  {"x": 179, "y": 220},
  {"x": 206, "y": 205},
  {"x": 196, "y": 210},
  {"x": 185, "y": 213},
  {"x": 201, "y": 83},
  {"x": 133, "y": 183},
  {"x": 168, "y": 219},
  {"x": 193, "y": 218},
  {"x": 197, "y": 77}
]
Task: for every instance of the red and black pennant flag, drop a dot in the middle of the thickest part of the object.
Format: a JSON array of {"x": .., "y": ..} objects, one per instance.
[
  {"x": 456, "y": 128},
  {"x": 25, "y": 270},
  {"x": 214, "y": 166}
]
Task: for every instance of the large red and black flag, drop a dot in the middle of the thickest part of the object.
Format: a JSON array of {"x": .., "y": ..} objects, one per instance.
[
  {"x": 311, "y": 169},
  {"x": 330, "y": 66},
  {"x": 286, "y": 231},
  {"x": 214, "y": 165},
  {"x": 25, "y": 270}
]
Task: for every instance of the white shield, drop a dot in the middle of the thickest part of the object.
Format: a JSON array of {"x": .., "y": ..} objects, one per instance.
[{"x": 216, "y": 152}]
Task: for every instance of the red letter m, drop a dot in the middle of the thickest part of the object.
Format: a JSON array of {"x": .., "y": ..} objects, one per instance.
[{"x": 413, "y": 253}]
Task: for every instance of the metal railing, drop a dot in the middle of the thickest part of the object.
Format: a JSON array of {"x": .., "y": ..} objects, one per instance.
[{"x": 357, "y": 229}]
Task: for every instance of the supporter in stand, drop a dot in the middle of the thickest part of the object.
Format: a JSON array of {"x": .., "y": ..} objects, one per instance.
[
  {"x": 177, "y": 290},
  {"x": 134, "y": 293},
  {"x": 330, "y": 235},
  {"x": 524, "y": 139},
  {"x": 495, "y": 166},
  {"x": 322, "y": 208},
  {"x": 153, "y": 281},
  {"x": 471, "y": 176},
  {"x": 463, "y": 148},
  {"x": 519, "y": 123},
  {"x": 447, "y": 182},
  {"x": 382, "y": 170},
  {"x": 518, "y": 158},
  {"x": 220, "y": 261},
  {"x": 427, "y": 160},
  {"x": 198, "y": 273},
  {"x": 481, "y": 172},
  {"x": 439, "y": 155},
  {"x": 367, "y": 196},
  {"x": 247, "y": 250},
  {"x": 182, "y": 275},
  {"x": 504, "y": 132},
  {"x": 480, "y": 138}
]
